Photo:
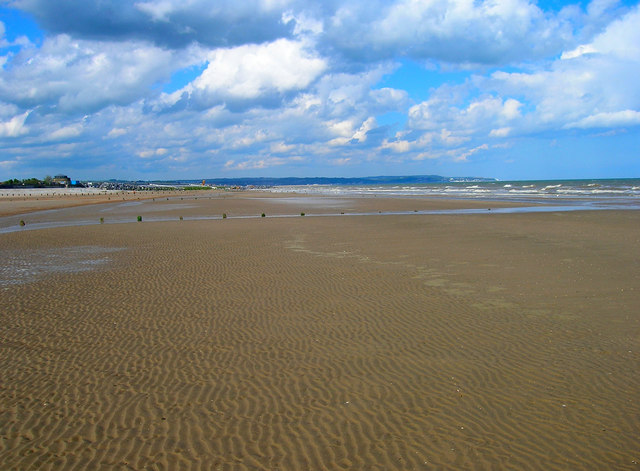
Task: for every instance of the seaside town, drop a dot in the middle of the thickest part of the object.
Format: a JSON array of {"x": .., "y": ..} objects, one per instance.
[{"x": 63, "y": 181}]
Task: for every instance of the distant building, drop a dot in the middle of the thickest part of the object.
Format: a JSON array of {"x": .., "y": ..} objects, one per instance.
[{"x": 62, "y": 180}]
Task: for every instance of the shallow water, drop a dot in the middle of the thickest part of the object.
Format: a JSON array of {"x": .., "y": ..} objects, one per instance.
[
  {"x": 73, "y": 217},
  {"x": 25, "y": 266}
]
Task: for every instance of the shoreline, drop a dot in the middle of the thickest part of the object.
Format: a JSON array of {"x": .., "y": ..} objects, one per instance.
[{"x": 121, "y": 207}]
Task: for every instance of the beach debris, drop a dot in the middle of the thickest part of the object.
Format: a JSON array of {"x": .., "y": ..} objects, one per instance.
[{"x": 22, "y": 223}]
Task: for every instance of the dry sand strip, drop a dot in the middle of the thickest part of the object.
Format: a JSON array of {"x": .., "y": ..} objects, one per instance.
[
  {"x": 19, "y": 201},
  {"x": 391, "y": 342}
]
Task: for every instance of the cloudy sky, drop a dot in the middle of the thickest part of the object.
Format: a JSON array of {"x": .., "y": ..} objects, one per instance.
[{"x": 166, "y": 89}]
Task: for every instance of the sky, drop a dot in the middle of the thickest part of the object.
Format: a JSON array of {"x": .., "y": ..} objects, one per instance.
[{"x": 191, "y": 89}]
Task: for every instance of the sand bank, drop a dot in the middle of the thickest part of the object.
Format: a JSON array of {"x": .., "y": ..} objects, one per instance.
[
  {"x": 22, "y": 201},
  {"x": 386, "y": 342}
]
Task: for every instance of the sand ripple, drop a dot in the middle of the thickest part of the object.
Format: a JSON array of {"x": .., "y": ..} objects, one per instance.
[{"x": 214, "y": 345}]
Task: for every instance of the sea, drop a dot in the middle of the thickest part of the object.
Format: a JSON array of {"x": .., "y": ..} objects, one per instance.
[{"x": 614, "y": 193}]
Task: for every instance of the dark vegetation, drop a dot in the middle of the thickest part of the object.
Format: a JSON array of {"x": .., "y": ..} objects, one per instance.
[{"x": 47, "y": 182}]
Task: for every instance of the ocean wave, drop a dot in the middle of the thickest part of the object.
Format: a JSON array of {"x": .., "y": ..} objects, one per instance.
[{"x": 516, "y": 191}]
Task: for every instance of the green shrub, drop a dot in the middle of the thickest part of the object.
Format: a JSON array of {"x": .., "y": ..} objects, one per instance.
[
  {"x": 301, "y": 214},
  {"x": 224, "y": 215},
  {"x": 22, "y": 223},
  {"x": 262, "y": 215},
  {"x": 139, "y": 218},
  {"x": 196, "y": 188},
  {"x": 181, "y": 218},
  {"x": 101, "y": 220}
]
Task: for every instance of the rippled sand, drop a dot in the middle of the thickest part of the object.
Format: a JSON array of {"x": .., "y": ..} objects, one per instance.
[{"x": 381, "y": 342}]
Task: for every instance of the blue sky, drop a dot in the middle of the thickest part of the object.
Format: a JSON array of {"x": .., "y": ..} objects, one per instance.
[{"x": 164, "y": 89}]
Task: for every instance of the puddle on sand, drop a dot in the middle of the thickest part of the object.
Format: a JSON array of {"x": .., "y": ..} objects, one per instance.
[{"x": 26, "y": 266}]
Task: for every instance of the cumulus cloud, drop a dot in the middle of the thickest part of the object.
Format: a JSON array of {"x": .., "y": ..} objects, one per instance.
[
  {"x": 254, "y": 71},
  {"x": 608, "y": 120},
  {"x": 592, "y": 86},
  {"x": 66, "y": 132},
  {"x": 167, "y": 23},
  {"x": 71, "y": 75},
  {"x": 482, "y": 114},
  {"x": 595, "y": 83},
  {"x": 256, "y": 164},
  {"x": 452, "y": 31},
  {"x": 15, "y": 126}
]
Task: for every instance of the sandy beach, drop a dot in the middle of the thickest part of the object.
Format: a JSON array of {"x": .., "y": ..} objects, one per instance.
[{"x": 387, "y": 341}]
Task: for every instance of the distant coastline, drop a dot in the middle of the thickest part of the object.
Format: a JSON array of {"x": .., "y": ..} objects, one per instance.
[
  {"x": 300, "y": 181},
  {"x": 260, "y": 182}
]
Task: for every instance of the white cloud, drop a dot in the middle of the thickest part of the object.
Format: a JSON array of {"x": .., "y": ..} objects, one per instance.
[
  {"x": 65, "y": 132},
  {"x": 608, "y": 120},
  {"x": 15, "y": 126},
  {"x": 500, "y": 132},
  {"x": 456, "y": 123},
  {"x": 76, "y": 76},
  {"x": 169, "y": 23},
  {"x": 448, "y": 138},
  {"x": 462, "y": 155},
  {"x": 341, "y": 161},
  {"x": 579, "y": 51},
  {"x": 157, "y": 10},
  {"x": 162, "y": 10},
  {"x": 591, "y": 87},
  {"x": 251, "y": 71},
  {"x": 116, "y": 132},
  {"x": 281, "y": 148},
  {"x": 597, "y": 87},
  {"x": 304, "y": 24},
  {"x": 457, "y": 31},
  {"x": 256, "y": 164},
  {"x": 399, "y": 146}
]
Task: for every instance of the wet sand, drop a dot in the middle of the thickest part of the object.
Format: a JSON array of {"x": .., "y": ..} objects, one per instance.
[{"x": 493, "y": 341}]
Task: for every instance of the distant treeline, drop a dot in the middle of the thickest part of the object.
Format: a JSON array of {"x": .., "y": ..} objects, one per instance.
[{"x": 47, "y": 182}]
